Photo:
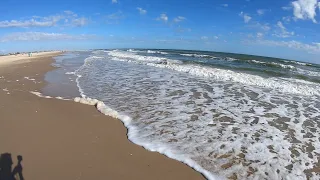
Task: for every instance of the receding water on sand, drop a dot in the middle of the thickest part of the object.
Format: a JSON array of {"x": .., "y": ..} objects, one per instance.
[
  {"x": 61, "y": 82},
  {"x": 224, "y": 116}
]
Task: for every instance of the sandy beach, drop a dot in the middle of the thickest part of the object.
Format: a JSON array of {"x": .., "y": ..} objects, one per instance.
[{"x": 66, "y": 140}]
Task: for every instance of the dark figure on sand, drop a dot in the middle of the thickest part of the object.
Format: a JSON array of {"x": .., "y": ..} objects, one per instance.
[{"x": 6, "y": 172}]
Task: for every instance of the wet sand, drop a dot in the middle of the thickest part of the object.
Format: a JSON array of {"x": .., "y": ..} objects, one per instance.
[{"x": 67, "y": 140}]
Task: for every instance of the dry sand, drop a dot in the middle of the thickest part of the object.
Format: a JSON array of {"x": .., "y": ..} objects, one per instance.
[
  {"x": 9, "y": 59},
  {"x": 63, "y": 140}
]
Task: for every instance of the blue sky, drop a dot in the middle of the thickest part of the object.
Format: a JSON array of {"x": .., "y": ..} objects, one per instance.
[{"x": 278, "y": 28}]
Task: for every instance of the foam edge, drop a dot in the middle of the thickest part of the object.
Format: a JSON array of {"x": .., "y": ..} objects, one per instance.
[
  {"x": 133, "y": 133},
  {"x": 48, "y": 97},
  {"x": 133, "y": 137}
]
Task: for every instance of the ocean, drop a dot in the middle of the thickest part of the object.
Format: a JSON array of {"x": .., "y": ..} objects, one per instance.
[{"x": 226, "y": 115}]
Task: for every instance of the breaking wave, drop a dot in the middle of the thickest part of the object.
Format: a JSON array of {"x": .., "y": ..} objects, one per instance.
[{"x": 280, "y": 84}]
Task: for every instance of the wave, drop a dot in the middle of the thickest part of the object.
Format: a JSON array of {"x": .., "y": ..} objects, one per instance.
[
  {"x": 291, "y": 67},
  {"x": 210, "y": 57},
  {"x": 273, "y": 64},
  {"x": 200, "y": 56},
  {"x": 286, "y": 85},
  {"x": 194, "y": 152},
  {"x": 156, "y": 52},
  {"x": 195, "y": 55},
  {"x": 307, "y": 72},
  {"x": 132, "y": 133},
  {"x": 146, "y": 51},
  {"x": 299, "y": 63}
]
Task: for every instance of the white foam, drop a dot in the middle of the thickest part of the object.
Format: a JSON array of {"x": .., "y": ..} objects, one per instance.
[
  {"x": 189, "y": 55},
  {"x": 160, "y": 116},
  {"x": 39, "y": 94},
  {"x": 283, "y": 85},
  {"x": 258, "y": 62},
  {"x": 273, "y": 63},
  {"x": 299, "y": 63},
  {"x": 152, "y": 52},
  {"x": 31, "y": 79},
  {"x": 155, "y": 52},
  {"x": 308, "y": 72},
  {"x": 284, "y": 66},
  {"x": 195, "y": 55},
  {"x": 230, "y": 59},
  {"x": 133, "y": 136},
  {"x": 70, "y": 72},
  {"x": 133, "y": 51}
]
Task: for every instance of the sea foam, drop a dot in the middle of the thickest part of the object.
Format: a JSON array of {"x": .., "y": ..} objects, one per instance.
[
  {"x": 133, "y": 136},
  {"x": 286, "y": 85},
  {"x": 224, "y": 127}
]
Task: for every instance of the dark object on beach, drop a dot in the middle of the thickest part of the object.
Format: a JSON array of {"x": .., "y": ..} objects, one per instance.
[
  {"x": 18, "y": 168},
  {"x": 5, "y": 167},
  {"x": 6, "y": 172}
]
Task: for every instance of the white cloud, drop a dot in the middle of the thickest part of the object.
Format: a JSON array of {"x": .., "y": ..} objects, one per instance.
[
  {"x": 215, "y": 37},
  {"x": 305, "y": 9},
  {"x": 142, "y": 11},
  {"x": 205, "y": 38},
  {"x": 117, "y": 15},
  {"x": 260, "y": 27},
  {"x": 317, "y": 44},
  {"x": 259, "y": 35},
  {"x": 250, "y": 35},
  {"x": 179, "y": 19},
  {"x": 114, "y": 1},
  {"x": 29, "y": 23},
  {"x": 283, "y": 33},
  {"x": 260, "y": 12},
  {"x": 182, "y": 30},
  {"x": 79, "y": 22},
  {"x": 286, "y": 18},
  {"x": 265, "y": 27},
  {"x": 67, "y": 18},
  {"x": 163, "y": 17},
  {"x": 70, "y": 13},
  {"x": 225, "y": 5},
  {"x": 245, "y": 17},
  {"x": 42, "y": 36},
  {"x": 280, "y": 25},
  {"x": 310, "y": 48}
]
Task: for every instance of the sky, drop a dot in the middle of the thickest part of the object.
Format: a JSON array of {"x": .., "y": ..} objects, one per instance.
[{"x": 277, "y": 28}]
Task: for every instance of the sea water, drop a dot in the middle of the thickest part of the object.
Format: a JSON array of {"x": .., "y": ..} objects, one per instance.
[{"x": 225, "y": 115}]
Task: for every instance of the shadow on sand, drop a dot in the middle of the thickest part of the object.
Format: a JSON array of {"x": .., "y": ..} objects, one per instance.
[{"x": 6, "y": 172}]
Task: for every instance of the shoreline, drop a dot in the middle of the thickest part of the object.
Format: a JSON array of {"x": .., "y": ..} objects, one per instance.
[{"x": 67, "y": 140}]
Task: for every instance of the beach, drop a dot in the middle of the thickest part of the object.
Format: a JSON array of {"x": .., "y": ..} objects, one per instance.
[{"x": 60, "y": 139}]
